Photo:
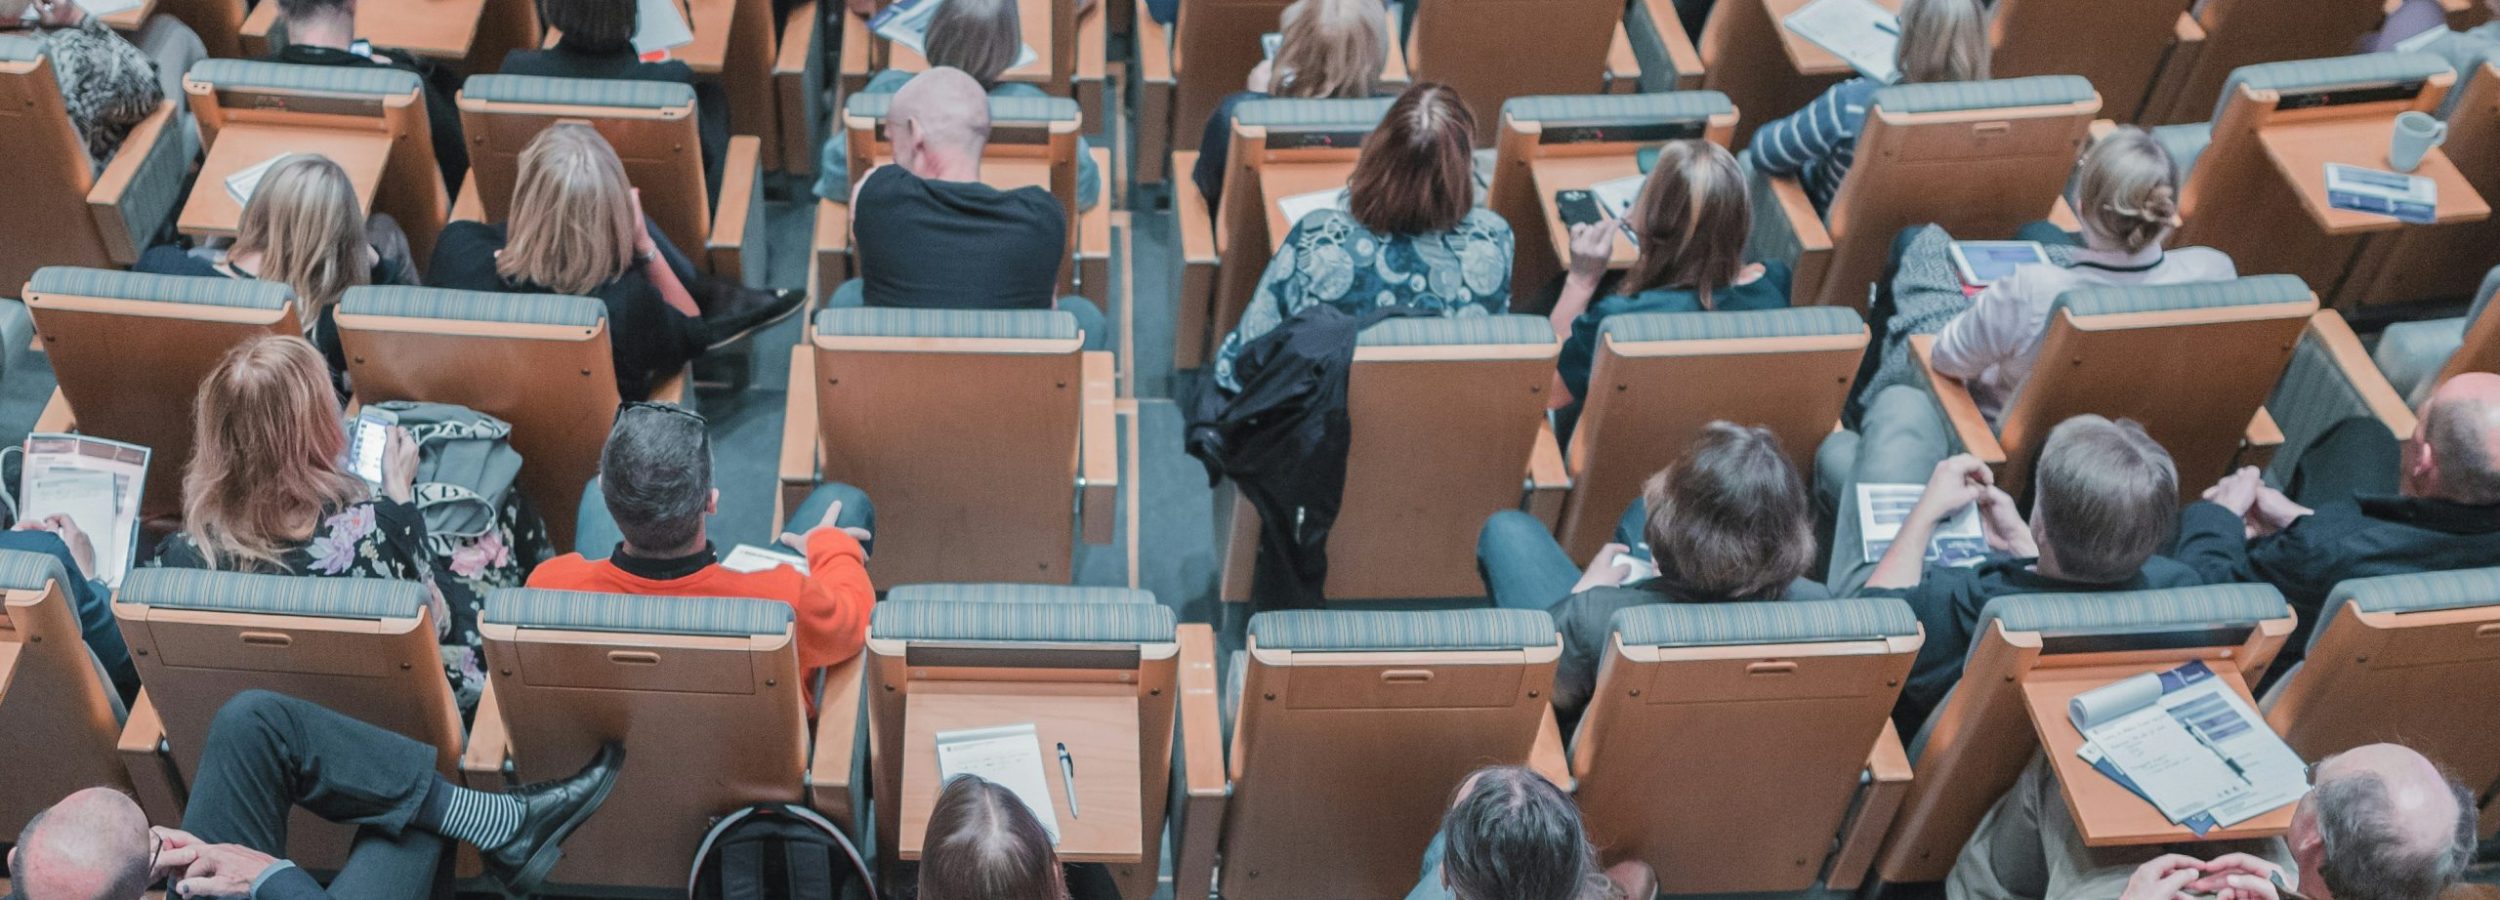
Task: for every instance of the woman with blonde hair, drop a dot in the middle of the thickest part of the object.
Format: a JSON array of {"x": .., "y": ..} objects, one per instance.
[
  {"x": 1941, "y": 40},
  {"x": 577, "y": 228},
  {"x": 302, "y": 228},
  {"x": 1689, "y": 225},
  {"x": 1329, "y": 50},
  {"x": 2128, "y": 200},
  {"x": 984, "y": 38}
]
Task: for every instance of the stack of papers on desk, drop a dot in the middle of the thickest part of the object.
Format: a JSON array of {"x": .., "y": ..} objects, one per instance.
[
  {"x": 1861, "y": 33},
  {"x": 2189, "y": 745},
  {"x": 906, "y": 22},
  {"x": 1009, "y": 756}
]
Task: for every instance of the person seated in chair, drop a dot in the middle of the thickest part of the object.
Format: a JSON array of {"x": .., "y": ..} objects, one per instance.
[
  {"x": 1325, "y": 50},
  {"x": 2380, "y": 822},
  {"x": 1728, "y": 522},
  {"x": 2361, "y": 503},
  {"x": 929, "y": 234},
  {"x": 108, "y": 83},
  {"x": 1511, "y": 835},
  {"x": 323, "y": 33},
  {"x": 2104, "y": 497},
  {"x": 597, "y": 41},
  {"x": 59, "y": 537},
  {"x": 649, "y": 504},
  {"x": 267, "y": 754},
  {"x": 1941, "y": 40}
]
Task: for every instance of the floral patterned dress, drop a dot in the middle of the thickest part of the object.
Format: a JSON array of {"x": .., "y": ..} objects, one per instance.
[{"x": 1331, "y": 258}]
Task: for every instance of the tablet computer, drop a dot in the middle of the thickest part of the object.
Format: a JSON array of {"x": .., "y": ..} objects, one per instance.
[{"x": 1981, "y": 263}]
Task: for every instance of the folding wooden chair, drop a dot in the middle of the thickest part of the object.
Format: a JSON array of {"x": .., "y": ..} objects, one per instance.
[
  {"x": 652, "y": 126},
  {"x": 1094, "y": 670},
  {"x": 1797, "y": 701},
  {"x": 2192, "y": 362},
  {"x": 371, "y": 121},
  {"x": 1351, "y": 731},
  {"x": 1552, "y": 144},
  {"x": 129, "y": 352},
  {"x": 59, "y": 715},
  {"x": 1975, "y": 745},
  {"x": 799, "y": 85},
  {"x": 2118, "y": 47},
  {"x": 1787, "y": 370},
  {"x": 1186, "y": 69},
  {"x": 1447, "y": 418},
  {"x": 1979, "y": 158},
  {"x": 70, "y": 214},
  {"x": 2221, "y": 36},
  {"x": 988, "y": 428},
  {"x": 1032, "y": 144}
]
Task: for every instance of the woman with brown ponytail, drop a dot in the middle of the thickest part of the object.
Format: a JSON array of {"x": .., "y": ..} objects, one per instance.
[{"x": 2128, "y": 202}]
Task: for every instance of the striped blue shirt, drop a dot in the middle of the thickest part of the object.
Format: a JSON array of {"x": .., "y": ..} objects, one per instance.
[{"x": 1818, "y": 143}]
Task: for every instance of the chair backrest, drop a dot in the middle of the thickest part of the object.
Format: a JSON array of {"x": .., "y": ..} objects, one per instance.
[
  {"x": 1977, "y": 742},
  {"x": 2192, "y": 362},
  {"x": 2404, "y": 658},
  {"x": 2248, "y": 32},
  {"x": 1100, "y": 662},
  {"x": 1052, "y": 35},
  {"x": 95, "y": 324},
  {"x": 2446, "y": 261},
  {"x": 538, "y": 361},
  {"x": 651, "y": 124},
  {"x": 1475, "y": 47},
  {"x": 1353, "y": 729},
  {"x": 49, "y": 224},
  {"x": 1793, "y": 696},
  {"x": 1786, "y": 369},
  {"x": 1211, "y": 59},
  {"x": 1980, "y": 158},
  {"x": 670, "y": 678},
  {"x": 2481, "y": 350},
  {"x": 376, "y": 99},
  {"x": 59, "y": 717},
  {"x": 1580, "y": 140},
  {"x": 1304, "y": 141},
  {"x": 1032, "y": 142},
  {"x": 2126, "y": 45},
  {"x": 964, "y": 425}
]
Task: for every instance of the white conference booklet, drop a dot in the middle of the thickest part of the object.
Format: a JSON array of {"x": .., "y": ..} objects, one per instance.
[
  {"x": 1300, "y": 205},
  {"x": 1883, "y": 507},
  {"x": 751, "y": 558},
  {"x": 660, "y": 25},
  {"x": 246, "y": 181},
  {"x": 1861, "y": 33},
  {"x": 96, "y": 483},
  {"x": 2189, "y": 745},
  {"x": 1009, "y": 756},
  {"x": 906, "y": 22}
]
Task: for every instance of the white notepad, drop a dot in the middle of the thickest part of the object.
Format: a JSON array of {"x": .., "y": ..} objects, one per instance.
[
  {"x": 751, "y": 558},
  {"x": 1861, "y": 33},
  {"x": 1009, "y": 756},
  {"x": 246, "y": 181},
  {"x": 1300, "y": 205},
  {"x": 659, "y": 25}
]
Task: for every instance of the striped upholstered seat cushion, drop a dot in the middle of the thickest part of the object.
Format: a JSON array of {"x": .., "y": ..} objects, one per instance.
[
  {"x": 195, "y": 290},
  {"x": 996, "y": 324},
  {"x": 2136, "y": 612},
  {"x": 14, "y": 48},
  {"x": 1015, "y": 593},
  {"x": 228, "y": 74},
  {"x": 1801, "y": 321},
  {"x": 1312, "y": 115},
  {"x": 475, "y": 306},
  {"x": 1360, "y": 630},
  {"x": 1082, "y": 623},
  {"x": 1796, "y": 621},
  {"x": 1003, "y": 110},
  {"x": 1617, "y": 110},
  {"x": 1443, "y": 331},
  {"x": 608, "y": 92},
  {"x": 24, "y": 571},
  {"x": 2419, "y": 592},
  {"x": 2001, "y": 93},
  {"x": 288, "y": 595},
  {"x": 637, "y": 614},
  {"x": 2308, "y": 75},
  {"x": 2111, "y": 300}
]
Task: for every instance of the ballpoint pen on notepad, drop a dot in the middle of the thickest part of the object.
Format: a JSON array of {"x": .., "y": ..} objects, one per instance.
[
  {"x": 1888, "y": 28},
  {"x": 2199, "y": 735},
  {"x": 1067, "y": 778}
]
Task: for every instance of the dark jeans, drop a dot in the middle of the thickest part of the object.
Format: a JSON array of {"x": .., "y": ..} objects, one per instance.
[
  {"x": 267, "y": 753},
  {"x": 1524, "y": 567},
  {"x": 2356, "y": 456}
]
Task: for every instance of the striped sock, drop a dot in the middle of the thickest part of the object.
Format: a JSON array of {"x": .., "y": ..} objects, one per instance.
[{"x": 485, "y": 820}]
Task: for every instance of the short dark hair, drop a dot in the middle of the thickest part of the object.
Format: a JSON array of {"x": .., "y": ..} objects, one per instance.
[
  {"x": 2107, "y": 496},
  {"x": 296, "y": 9},
  {"x": 983, "y": 844},
  {"x": 1730, "y": 519},
  {"x": 981, "y": 37},
  {"x": 596, "y": 25},
  {"x": 1514, "y": 836},
  {"x": 656, "y": 476},
  {"x": 1416, "y": 173},
  {"x": 2366, "y": 853}
]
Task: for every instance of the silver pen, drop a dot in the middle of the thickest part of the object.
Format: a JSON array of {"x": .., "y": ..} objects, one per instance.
[{"x": 1067, "y": 778}]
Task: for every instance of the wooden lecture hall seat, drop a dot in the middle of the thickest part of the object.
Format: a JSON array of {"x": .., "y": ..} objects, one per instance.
[
  {"x": 60, "y": 717},
  {"x": 370, "y": 120},
  {"x": 1557, "y": 143},
  {"x": 66, "y": 211}
]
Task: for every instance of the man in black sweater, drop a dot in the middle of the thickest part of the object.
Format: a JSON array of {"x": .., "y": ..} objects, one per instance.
[{"x": 323, "y": 33}]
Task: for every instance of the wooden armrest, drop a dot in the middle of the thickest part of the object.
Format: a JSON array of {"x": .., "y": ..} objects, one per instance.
[
  {"x": 1154, "y": 49},
  {"x": 2100, "y": 128},
  {"x": 124, "y": 239},
  {"x": 798, "y": 418},
  {"x": 152, "y": 773},
  {"x": 1681, "y": 55},
  {"x": 1194, "y": 299},
  {"x": 1623, "y": 67},
  {"x": 254, "y": 35},
  {"x": 490, "y": 746},
  {"x": 830, "y": 263},
  {"x": 1887, "y": 783},
  {"x": 2335, "y": 336},
  {"x": 1787, "y": 199},
  {"x": 2187, "y": 30},
  {"x": 1201, "y": 752},
  {"x": 58, "y": 419},
  {"x": 835, "y": 759},
  {"x": 794, "y": 92},
  {"x": 1549, "y": 478},
  {"x": 1098, "y": 462},
  {"x": 1393, "y": 71},
  {"x": 1546, "y": 756},
  {"x": 741, "y": 208},
  {"x": 1961, "y": 413}
]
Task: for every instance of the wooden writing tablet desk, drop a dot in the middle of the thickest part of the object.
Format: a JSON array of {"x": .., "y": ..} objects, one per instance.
[
  {"x": 2106, "y": 814},
  {"x": 1098, "y": 722},
  {"x": 1553, "y": 174},
  {"x": 1279, "y": 180},
  {"x": 212, "y": 212},
  {"x": 129, "y": 19},
  {"x": 2300, "y": 152},
  {"x": 1808, "y": 57},
  {"x": 435, "y": 29}
]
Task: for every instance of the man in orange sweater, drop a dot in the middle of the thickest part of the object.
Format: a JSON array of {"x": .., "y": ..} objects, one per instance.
[{"x": 649, "y": 503}]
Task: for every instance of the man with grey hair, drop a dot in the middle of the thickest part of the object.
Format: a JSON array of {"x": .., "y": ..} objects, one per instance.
[
  {"x": 2379, "y": 823},
  {"x": 2382, "y": 506},
  {"x": 928, "y": 234},
  {"x": 646, "y": 516}
]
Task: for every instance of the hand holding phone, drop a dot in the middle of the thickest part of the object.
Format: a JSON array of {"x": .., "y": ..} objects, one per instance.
[{"x": 367, "y": 443}]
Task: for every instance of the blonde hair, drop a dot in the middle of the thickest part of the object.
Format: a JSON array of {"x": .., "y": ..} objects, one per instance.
[
  {"x": 981, "y": 37},
  {"x": 265, "y": 457},
  {"x": 304, "y": 223},
  {"x": 2129, "y": 192},
  {"x": 1331, "y": 49},
  {"x": 1693, "y": 221},
  {"x": 572, "y": 223},
  {"x": 1943, "y": 40}
]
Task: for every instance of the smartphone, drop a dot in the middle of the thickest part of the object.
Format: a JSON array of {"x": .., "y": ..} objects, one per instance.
[
  {"x": 369, "y": 439},
  {"x": 1577, "y": 207}
]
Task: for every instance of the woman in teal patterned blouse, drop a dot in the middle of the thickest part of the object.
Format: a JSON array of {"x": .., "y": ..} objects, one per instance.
[{"x": 1410, "y": 235}]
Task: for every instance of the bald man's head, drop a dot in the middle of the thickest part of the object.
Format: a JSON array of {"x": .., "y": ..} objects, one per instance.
[
  {"x": 939, "y": 122},
  {"x": 93, "y": 845},
  {"x": 2382, "y": 823},
  {"x": 2456, "y": 444}
]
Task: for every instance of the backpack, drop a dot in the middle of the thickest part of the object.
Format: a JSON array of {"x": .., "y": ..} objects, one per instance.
[{"x": 777, "y": 851}]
